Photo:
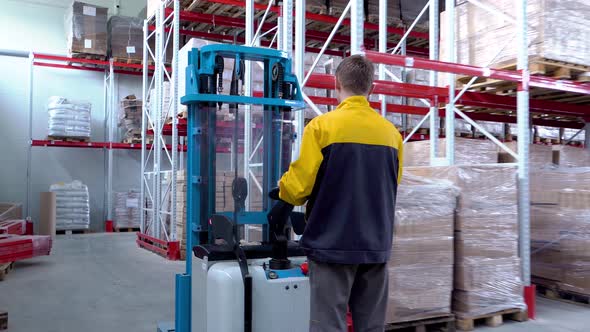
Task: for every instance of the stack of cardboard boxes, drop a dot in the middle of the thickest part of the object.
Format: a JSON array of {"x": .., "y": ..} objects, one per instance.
[
  {"x": 86, "y": 29},
  {"x": 560, "y": 227},
  {"x": 421, "y": 264},
  {"x": 467, "y": 151},
  {"x": 551, "y": 36},
  {"x": 125, "y": 38},
  {"x": 486, "y": 267}
]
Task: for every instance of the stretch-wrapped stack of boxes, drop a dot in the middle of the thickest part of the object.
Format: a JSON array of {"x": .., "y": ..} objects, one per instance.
[
  {"x": 550, "y": 35},
  {"x": 125, "y": 38},
  {"x": 487, "y": 267},
  {"x": 73, "y": 205},
  {"x": 487, "y": 275},
  {"x": 560, "y": 227},
  {"x": 86, "y": 29},
  {"x": 467, "y": 151},
  {"x": 421, "y": 264},
  {"x": 127, "y": 209},
  {"x": 68, "y": 118}
]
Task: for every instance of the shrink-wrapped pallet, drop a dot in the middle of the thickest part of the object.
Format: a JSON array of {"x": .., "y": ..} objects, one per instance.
[
  {"x": 467, "y": 151},
  {"x": 487, "y": 267},
  {"x": 127, "y": 209},
  {"x": 125, "y": 38},
  {"x": 421, "y": 263},
  {"x": 73, "y": 205},
  {"x": 557, "y": 30},
  {"x": 560, "y": 227},
  {"x": 86, "y": 28},
  {"x": 68, "y": 118}
]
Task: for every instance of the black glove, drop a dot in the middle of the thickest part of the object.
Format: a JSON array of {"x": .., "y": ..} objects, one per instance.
[{"x": 274, "y": 194}]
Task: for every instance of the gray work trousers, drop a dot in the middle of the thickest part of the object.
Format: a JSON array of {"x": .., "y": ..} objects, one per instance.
[{"x": 335, "y": 287}]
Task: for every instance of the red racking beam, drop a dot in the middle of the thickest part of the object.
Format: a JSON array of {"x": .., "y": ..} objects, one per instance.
[
  {"x": 241, "y": 40},
  {"x": 103, "y": 64},
  {"x": 416, "y": 110},
  {"x": 97, "y": 145},
  {"x": 468, "y": 70},
  {"x": 324, "y": 18},
  {"x": 477, "y": 99},
  {"x": 240, "y": 23}
]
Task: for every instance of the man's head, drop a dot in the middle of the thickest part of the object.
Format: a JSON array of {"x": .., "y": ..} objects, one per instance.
[{"x": 354, "y": 77}]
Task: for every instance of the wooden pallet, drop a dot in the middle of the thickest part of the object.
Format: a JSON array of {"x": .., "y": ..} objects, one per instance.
[
  {"x": 438, "y": 323},
  {"x": 492, "y": 320},
  {"x": 68, "y": 139},
  {"x": 550, "y": 289},
  {"x": 127, "y": 60},
  {"x": 88, "y": 56},
  {"x": 5, "y": 268},
  {"x": 137, "y": 140},
  {"x": 3, "y": 320},
  {"x": 126, "y": 229},
  {"x": 72, "y": 231}
]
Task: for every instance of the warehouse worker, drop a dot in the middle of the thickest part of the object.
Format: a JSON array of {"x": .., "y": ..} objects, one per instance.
[{"x": 348, "y": 171}]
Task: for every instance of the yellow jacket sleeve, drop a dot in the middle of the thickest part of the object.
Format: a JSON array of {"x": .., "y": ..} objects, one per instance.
[
  {"x": 297, "y": 183},
  {"x": 400, "y": 160}
]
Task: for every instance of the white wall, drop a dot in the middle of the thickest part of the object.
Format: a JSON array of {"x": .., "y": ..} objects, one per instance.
[{"x": 38, "y": 26}]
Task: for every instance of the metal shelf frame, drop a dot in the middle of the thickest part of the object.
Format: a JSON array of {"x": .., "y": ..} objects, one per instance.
[
  {"x": 292, "y": 16},
  {"x": 110, "y": 69},
  {"x": 159, "y": 162}
]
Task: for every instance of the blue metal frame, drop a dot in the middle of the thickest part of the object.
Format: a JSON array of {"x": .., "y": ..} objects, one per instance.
[{"x": 201, "y": 99}]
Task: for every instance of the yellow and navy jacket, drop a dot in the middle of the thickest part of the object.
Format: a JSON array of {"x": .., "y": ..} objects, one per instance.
[{"x": 348, "y": 170}]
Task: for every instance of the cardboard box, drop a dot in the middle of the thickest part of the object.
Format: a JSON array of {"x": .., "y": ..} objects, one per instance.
[
  {"x": 501, "y": 274},
  {"x": 86, "y": 28},
  {"x": 125, "y": 37},
  {"x": 9, "y": 211}
]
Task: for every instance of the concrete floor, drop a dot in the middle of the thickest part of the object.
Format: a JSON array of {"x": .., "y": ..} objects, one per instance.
[{"x": 103, "y": 283}]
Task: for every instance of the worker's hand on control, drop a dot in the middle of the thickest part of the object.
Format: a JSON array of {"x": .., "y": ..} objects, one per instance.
[{"x": 274, "y": 194}]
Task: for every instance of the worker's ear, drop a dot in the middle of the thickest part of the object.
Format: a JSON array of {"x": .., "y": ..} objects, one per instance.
[{"x": 337, "y": 85}]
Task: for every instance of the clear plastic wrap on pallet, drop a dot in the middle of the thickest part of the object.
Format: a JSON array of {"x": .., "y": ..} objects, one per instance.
[
  {"x": 575, "y": 135},
  {"x": 467, "y": 151},
  {"x": 550, "y": 35},
  {"x": 9, "y": 211},
  {"x": 494, "y": 128},
  {"x": 421, "y": 264},
  {"x": 539, "y": 155},
  {"x": 560, "y": 228},
  {"x": 72, "y": 205},
  {"x": 572, "y": 156},
  {"x": 130, "y": 114},
  {"x": 127, "y": 209},
  {"x": 86, "y": 28},
  {"x": 548, "y": 132},
  {"x": 487, "y": 273},
  {"x": 462, "y": 127},
  {"x": 125, "y": 37},
  {"x": 68, "y": 118}
]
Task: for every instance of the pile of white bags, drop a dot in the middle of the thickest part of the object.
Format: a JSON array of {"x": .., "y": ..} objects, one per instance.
[
  {"x": 73, "y": 205},
  {"x": 68, "y": 118}
]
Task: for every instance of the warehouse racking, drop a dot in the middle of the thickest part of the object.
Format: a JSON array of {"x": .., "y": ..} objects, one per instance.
[
  {"x": 110, "y": 69},
  {"x": 226, "y": 20}
]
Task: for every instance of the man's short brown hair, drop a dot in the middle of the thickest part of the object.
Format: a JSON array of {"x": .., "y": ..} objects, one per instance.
[{"x": 355, "y": 75}]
